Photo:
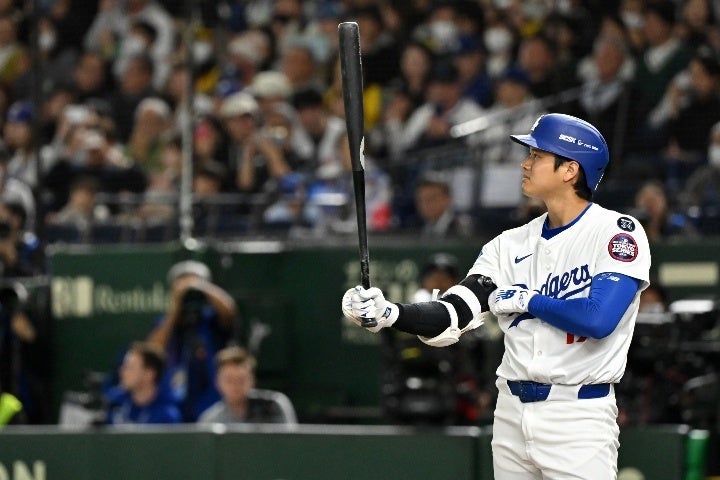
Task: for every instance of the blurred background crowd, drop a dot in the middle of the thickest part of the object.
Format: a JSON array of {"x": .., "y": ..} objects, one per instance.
[
  {"x": 250, "y": 93},
  {"x": 149, "y": 120}
]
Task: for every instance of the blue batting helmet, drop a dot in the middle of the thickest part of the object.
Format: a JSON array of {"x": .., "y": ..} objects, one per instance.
[{"x": 572, "y": 138}]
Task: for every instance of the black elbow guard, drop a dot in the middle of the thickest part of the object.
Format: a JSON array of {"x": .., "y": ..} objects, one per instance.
[{"x": 481, "y": 286}]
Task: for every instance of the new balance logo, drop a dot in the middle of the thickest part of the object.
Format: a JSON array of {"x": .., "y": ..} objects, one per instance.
[
  {"x": 520, "y": 259},
  {"x": 505, "y": 294}
]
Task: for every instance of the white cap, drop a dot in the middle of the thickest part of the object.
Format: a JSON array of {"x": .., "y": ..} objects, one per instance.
[
  {"x": 241, "y": 47},
  {"x": 271, "y": 83},
  {"x": 189, "y": 267},
  {"x": 239, "y": 103},
  {"x": 154, "y": 104}
]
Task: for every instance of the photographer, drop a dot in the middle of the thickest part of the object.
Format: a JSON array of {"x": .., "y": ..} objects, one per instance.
[
  {"x": 199, "y": 322},
  {"x": 20, "y": 253},
  {"x": 22, "y": 354}
]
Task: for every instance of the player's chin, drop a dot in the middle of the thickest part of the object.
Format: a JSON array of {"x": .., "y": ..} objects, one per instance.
[{"x": 526, "y": 186}]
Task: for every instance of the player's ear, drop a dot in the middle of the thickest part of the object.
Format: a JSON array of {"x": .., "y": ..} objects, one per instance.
[{"x": 572, "y": 168}]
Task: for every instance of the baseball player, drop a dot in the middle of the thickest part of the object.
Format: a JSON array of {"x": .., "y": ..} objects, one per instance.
[{"x": 565, "y": 288}]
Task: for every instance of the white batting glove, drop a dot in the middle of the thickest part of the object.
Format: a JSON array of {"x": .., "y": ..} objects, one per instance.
[
  {"x": 510, "y": 299},
  {"x": 358, "y": 303}
]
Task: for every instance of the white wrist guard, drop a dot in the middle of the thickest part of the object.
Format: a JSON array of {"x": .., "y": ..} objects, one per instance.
[{"x": 452, "y": 334}]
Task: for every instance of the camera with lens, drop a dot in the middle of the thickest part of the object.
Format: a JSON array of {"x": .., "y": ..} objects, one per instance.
[{"x": 191, "y": 309}]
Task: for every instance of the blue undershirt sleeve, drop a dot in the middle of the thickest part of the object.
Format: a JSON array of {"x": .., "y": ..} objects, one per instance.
[{"x": 595, "y": 316}]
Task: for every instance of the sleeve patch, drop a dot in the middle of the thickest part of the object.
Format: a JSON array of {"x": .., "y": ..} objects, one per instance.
[
  {"x": 623, "y": 247},
  {"x": 626, "y": 224}
]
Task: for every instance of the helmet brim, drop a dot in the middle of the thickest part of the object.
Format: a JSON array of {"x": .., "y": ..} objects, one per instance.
[{"x": 526, "y": 140}]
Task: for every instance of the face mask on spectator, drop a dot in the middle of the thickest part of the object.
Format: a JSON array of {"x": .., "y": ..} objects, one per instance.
[
  {"x": 444, "y": 32},
  {"x": 202, "y": 51},
  {"x": 497, "y": 39},
  {"x": 714, "y": 155},
  {"x": 133, "y": 45},
  {"x": 46, "y": 41},
  {"x": 632, "y": 20}
]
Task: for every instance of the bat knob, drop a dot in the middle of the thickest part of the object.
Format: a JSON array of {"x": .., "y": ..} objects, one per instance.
[{"x": 369, "y": 323}]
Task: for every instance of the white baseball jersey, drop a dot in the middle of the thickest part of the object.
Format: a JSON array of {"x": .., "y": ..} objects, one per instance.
[{"x": 599, "y": 241}]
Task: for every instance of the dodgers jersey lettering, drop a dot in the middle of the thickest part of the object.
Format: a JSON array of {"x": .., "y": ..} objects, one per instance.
[{"x": 598, "y": 241}]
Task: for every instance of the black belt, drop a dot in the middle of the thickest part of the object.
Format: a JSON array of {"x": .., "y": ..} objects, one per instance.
[{"x": 538, "y": 392}]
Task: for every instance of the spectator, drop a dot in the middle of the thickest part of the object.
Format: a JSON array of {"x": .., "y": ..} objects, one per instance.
[
  {"x": 270, "y": 88},
  {"x": 691, "y": 121},
  {"x": 15, "y": 191},
  {"x": 199, "y": 322},
  {"x": 528, "y": 209},
  {"x": 372, "y": 102},
  {"x": 652, "y": 209},
  {"x": 140, "y": 40},
  {"x": 135, "y": 84},
  {"x": 286, "y": 23},
  {"x": 255, "y": 159},
  {"x": 437, "y": 218},
  {"x": 208, "y": 179},
  {"x": 440, "y": 28},
  {"x": 703, "y": 186},
  {"x": 469, "y": 58},
  {"x": 175, "y": 93},
  {"x": 209, "y": 142},
  {"x": 17, "y": 134},
  {"x": 242, "y": 63},
  {"x": 664, "y": 56},
  {"x": 380, "y": 53},
  {"x": 139, "y": 398},
  {"x": 210, "y": 210},
  {"x": 160, "y": 199},
  {"x": 96, "y": 158},
  {"x": 607, "y": 97},
  {"x": 429, "y": 125},
  {"x": 322, "y": 30},
  {"x": 500, "y": 40},
  {"x": 328, "y": 172},
  {"x": 20, "y": 252},
  {"x": 536, "y": 55},
  {"x": 515, "y": 110},
  {"x": 241, "y": 402},
  {"x": 281, "y": 125},
  {"x": 440, "y": 272},
  {"x": 697, "y": 22},
  {"x": 82, "y": 210},
  {"x": 415, "y": 64},
  {"x": 149, "y": 133},
  {"x": 50, "y": 114},
  {"x": 298, "y": 64},
  {"x": 321, "y": 135},
  {"x": 12, "y": 60},
  {"x": 113, "y": 26}
]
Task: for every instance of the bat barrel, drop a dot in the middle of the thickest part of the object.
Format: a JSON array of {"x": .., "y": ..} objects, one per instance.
[{"x": 351, "y": 73}]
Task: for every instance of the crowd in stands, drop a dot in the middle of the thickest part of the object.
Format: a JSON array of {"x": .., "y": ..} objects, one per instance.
[
  {"x": 96, "y": 99},
  {"x": 94, "y": 112}
]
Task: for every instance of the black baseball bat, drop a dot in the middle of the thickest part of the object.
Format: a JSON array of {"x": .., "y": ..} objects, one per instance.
[{"x": 352, "y": 89}]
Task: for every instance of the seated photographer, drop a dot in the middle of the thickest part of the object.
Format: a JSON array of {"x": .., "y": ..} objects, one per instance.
[
  {"x": 20, "y": 253},
  {"x": 241, "y": 401},
  {"x": 199, "y": 322},
  {"x": 139, "y": 398}
]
